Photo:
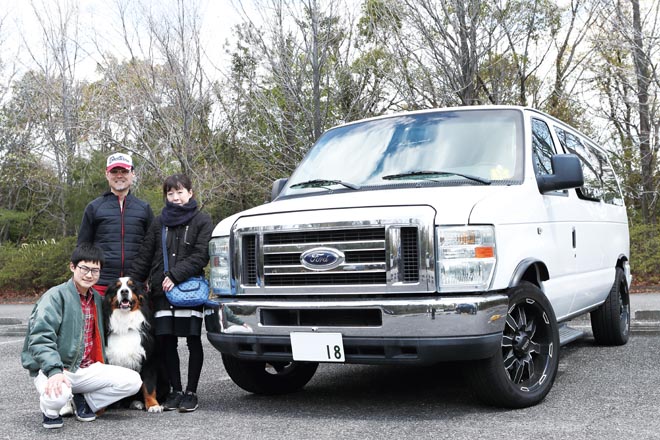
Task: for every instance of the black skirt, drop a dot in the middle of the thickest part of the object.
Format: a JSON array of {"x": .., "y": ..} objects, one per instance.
[{"x": 177, "y": 321}]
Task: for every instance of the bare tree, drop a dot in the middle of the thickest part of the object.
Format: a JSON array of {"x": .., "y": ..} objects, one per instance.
[
  {"x": 643, "y": 69},
  {"x": 290, "y": 71},
  {"x": 527, "y": 27},
  {"x": 626, "y": 44},
  {"x": 161, "y": 96},
  {"x": 56, "y": 98},
  {"x": 441, "y": 47},
  {"x": 572, "y": 57}
]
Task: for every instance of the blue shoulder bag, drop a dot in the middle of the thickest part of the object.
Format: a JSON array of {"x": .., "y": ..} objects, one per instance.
[{"x": 191, "y": 293}]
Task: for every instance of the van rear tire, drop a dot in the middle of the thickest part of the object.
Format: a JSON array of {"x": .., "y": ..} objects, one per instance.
[
  {"x": 610, "y": 322},
  {"x": 522, "y": 372}
]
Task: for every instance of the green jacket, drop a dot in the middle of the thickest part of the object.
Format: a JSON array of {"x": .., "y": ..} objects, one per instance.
[{"x": 54, "y": 339}]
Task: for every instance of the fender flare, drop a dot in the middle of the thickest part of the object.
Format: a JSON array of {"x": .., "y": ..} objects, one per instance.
[{"x": 540, "y": 272}]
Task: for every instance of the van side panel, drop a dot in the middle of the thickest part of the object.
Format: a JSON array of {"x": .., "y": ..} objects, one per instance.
[
  {"x": 598, "y": 249},
  {"x": 578, "y": 240}
]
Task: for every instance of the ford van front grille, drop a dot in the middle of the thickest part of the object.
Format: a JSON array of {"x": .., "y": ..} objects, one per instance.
[
  {"x": 341, "y": 235},
  {"x": 383, "y": 256},
  {"x": 410, "y": 255},
  {"x": 332, "y": 279},
  {"x": 250, "y": 259}
]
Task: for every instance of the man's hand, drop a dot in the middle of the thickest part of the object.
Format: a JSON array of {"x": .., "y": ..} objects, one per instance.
[{"x": 54, "y": 384}]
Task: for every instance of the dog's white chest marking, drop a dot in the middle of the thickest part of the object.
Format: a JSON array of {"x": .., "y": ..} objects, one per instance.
[{"x": 124, "y": 344}]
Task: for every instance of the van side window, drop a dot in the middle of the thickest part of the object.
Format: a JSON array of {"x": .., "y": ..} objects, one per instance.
[
  {"x": 611, "y": 191},
  {"x": 542, "y": 147},
  {"x": 593, "y": 186}
]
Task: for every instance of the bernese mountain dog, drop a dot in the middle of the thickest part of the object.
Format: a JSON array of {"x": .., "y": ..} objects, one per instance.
[{"x": 130, "y": 341}]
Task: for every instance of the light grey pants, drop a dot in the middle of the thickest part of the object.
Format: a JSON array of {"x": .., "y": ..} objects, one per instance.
[{"x": 101, "y": 384}]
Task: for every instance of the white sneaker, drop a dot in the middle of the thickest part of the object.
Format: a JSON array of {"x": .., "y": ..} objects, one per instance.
[{"x": 67, "y": 410}]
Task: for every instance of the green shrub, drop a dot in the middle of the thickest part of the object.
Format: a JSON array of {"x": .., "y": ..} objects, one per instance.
[
  {"x": 645, "y": 253},
  {"x": 34, "y": 268}
]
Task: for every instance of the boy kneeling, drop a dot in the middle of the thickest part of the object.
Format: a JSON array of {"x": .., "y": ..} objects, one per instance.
[{"x": 64, "y": 347}]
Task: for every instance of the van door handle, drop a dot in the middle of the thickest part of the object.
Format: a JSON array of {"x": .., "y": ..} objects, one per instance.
[{"x": 574, "y": 238}]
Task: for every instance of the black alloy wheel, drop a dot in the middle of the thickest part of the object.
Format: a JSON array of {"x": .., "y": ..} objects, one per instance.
[
  {"x": 527, "y": 345},
  {"x": 522, "y": 371}
]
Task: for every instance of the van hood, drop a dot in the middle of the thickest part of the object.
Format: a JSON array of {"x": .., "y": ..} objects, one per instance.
[{"x": 453, "y": 205}]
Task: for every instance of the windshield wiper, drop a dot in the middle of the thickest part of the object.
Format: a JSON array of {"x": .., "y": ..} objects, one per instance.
[
  {"x": 428, "y": 175},
  {"x": 322, "y": 183}
]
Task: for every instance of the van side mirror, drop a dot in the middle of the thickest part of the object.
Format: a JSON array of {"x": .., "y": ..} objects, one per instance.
[
  {"x": 278, "y": 185},
  {"x": 567, "y": 174}
]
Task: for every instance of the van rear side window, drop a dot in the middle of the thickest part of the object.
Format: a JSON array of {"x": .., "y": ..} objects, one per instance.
[{"x": 611, "y": 191}]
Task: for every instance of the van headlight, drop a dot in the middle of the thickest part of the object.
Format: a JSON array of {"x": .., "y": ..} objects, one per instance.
[
  {"x": 466, "y": 258},
  {"x": 220, "y": 266}
]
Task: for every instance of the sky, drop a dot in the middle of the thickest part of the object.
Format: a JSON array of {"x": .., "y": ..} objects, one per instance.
[{"x": 99, "y": 29}]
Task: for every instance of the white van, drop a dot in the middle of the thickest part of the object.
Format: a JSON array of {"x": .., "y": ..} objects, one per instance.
[{"x": 469, "y": 233}]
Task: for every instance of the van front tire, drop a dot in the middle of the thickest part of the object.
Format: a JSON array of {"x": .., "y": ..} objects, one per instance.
[
  {"x": 523, "y": 371},
  {"x": 269, "y": 378},
  {"x": 610, "y": 322}
]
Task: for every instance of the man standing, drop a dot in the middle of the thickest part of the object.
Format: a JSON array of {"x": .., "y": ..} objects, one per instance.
[
  {"x": 64, "y": 348},
  {"x": 117, "y": 221}
]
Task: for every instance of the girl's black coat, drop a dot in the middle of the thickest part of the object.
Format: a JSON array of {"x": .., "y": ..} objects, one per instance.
[{"x": 187, "y": 246}]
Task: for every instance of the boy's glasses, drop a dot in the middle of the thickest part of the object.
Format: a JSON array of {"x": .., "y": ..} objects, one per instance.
[
  {"x": 119, "y": 170},
  {"x": 85, "y": 270}
]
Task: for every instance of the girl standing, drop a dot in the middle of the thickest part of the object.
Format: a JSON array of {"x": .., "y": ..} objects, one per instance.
[{"x": 187, "y": 232}]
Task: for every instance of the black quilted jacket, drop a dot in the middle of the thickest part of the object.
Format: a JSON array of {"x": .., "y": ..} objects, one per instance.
[
  {"x": 188, "y": 249},
  {"x": 117, "y": 232}
]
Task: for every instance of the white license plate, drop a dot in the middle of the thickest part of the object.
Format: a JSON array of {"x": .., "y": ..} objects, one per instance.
[{"x": 317, "y": 347}]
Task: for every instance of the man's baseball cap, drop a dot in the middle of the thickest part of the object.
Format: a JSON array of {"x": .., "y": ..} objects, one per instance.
[{"x": 119, "y": 160}]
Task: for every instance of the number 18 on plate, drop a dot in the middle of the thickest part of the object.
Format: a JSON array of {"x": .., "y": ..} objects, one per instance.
[{"x": 317, "y": 347}]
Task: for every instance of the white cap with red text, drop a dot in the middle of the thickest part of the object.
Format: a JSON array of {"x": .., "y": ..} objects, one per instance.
[{"x": 119, "y": 160}]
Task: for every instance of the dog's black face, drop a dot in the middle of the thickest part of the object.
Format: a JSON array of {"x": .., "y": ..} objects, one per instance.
[{"x": 125, "y": 294}]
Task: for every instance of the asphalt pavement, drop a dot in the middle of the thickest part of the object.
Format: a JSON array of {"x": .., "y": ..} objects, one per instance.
[
  {"x": 644, "y": 313},
  {"x": 596, "y": 391}
]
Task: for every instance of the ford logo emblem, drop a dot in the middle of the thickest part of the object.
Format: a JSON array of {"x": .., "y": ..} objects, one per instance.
[{"x": 321, "y": 258}]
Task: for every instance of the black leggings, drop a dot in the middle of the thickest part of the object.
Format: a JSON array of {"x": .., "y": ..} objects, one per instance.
[{"x": 169, "y": 344}]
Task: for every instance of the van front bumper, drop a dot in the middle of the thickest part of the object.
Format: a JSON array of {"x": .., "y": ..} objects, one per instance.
[{"x": 374, "y": 331}]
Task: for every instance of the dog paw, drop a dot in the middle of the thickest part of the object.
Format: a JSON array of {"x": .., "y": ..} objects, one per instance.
[
  {"x": 155, "y": 409},
  {"x": 136, "y": 404}
]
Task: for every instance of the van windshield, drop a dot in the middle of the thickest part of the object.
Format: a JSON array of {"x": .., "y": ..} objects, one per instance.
[{"x": 455, "y": 147}]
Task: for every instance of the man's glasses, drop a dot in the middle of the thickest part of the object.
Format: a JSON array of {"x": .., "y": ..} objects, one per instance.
[
  {"x": 119, "y": 170},
  {"x": 86, "y": 270}
]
